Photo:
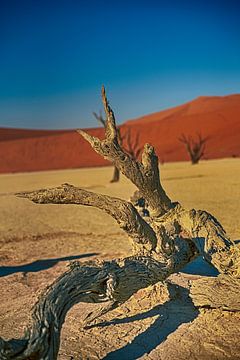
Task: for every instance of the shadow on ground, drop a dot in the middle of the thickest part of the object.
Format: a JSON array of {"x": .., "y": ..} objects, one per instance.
[
  {"x": 39, "y": 265},
  {"x": 199, "y": 266},
  {"x": 169, "y": 316}
]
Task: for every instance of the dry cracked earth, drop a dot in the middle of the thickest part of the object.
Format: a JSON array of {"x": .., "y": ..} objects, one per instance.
[{"x": 37, "y": 242}]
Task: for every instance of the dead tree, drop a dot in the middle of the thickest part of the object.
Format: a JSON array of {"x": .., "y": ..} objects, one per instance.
[
  {"x": 195, "y": 148},
  {"x": 162, "y": 243},
  {"x": 103, "y": 122},
  {"x": 131, "y": 144},
  {"x": 127, "y": 140}
]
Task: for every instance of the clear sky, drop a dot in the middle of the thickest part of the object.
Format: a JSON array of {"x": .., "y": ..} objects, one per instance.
[{"x": 55, "y": 55}]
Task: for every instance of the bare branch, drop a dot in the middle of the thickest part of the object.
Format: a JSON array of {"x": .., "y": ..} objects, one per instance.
[
  {"x": 103, "y": 122},
  {"x": 146, "y": 178},
  {"x": 122, "y": 211},
  {"x": 111, "y": 129}
]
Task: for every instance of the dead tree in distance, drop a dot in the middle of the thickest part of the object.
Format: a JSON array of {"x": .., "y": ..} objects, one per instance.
[
  {"x": 162, "y": 244},
  {"x": 131, "y": 144},
  {"x": 195, "y": 148},
  {"x": 126, "y": 139}
]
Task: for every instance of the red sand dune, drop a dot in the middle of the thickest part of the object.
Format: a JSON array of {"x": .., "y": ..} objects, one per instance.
[{"x": 216, "y": 117}]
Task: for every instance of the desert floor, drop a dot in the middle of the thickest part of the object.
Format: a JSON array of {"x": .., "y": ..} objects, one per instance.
[{"x": 38, "y": 241}]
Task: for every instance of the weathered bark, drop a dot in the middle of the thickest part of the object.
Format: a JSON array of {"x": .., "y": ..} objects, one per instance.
[
  {"x": 144, "y": 174},
  {"x": 221, "y": 292},
  {"x": 110, "y": 282},
  {"x": 165, "y": 240},
  {"x": 103, "y": 122},
  {"x": 208, "y": 236},
  {"x": 122, "y": 211}
]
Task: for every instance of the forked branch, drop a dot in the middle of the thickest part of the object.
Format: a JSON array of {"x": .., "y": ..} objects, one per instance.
[
  {"x": 144, "y": 174},
  {"x": 103, "y": 122}
]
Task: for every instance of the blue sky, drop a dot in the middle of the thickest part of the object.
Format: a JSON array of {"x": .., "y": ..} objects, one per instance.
[{"x": 55, "y": 55}]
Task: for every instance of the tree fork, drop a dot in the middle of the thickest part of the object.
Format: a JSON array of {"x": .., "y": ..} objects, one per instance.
[{"x": 144, "y": 174}]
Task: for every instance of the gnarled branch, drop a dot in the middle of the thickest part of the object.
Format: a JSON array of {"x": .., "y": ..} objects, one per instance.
[
  {"x": 145, "y": 174},
  {"x": 103, "y": 122},
  {"x": 122, "y": 211},
  {"x": 110, "y": 282},
  {"x": 208, "y": 236}
]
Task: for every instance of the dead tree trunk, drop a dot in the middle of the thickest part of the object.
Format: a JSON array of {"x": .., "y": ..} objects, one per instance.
[{"x": 163, "y": 242}]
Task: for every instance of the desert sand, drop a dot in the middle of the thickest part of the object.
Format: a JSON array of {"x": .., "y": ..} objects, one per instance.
[
  {"x": 38, "y": 241},
  {"x": 214, "y": 117}
]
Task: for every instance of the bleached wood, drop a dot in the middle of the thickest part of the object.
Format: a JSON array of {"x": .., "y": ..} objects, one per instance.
[
  {"x": 222, "y": 292},
  {"x": 122, "y": 211},
  {"x": 144, "y": 174}
]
